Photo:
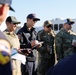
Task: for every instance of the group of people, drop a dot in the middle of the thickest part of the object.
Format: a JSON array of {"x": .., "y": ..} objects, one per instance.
[
  {"x": 31, "y": 42},
  {"x": 28, "y": 42},
  {"x": 66, "y": 51}
]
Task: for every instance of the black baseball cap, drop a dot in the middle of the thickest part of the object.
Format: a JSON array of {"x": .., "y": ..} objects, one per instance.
[
  {"x": 12, "y": 19},
  {"x": 33, "y": 16},
  {"x": 7, "y": 2}
]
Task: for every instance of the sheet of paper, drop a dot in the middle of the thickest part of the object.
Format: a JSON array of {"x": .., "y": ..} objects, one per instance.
[{"x": 18, "y": 56}]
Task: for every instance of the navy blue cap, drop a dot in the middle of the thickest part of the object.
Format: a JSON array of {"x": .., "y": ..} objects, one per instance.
[
  {"x": 69, "y": 21},
  {"x": 33, "y": 16},
  {"x": 7, "y": 2}
]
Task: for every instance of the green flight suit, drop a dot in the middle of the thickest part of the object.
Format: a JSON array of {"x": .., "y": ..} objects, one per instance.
[
  {"x": 63, "y": 43},
  {"x": 46, "y": 59}
]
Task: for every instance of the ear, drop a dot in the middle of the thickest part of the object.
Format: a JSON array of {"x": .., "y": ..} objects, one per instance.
[{"x": 1, "y": 9}]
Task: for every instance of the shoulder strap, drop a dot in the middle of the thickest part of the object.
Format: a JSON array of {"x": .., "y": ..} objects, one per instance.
[{"x": 34, "y": 35}]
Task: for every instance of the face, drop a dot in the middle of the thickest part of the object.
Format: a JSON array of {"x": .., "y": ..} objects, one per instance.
[
  {"x": 3, "y": 12},
  {"x": 68, "y": 26},
  {"x": 47, "y": 29},
  {"x": 31, "y": 22},
  {"x": 11, "y": 26}
]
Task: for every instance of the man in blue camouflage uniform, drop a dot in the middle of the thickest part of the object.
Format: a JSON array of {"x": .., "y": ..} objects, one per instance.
[
  {"x": 66, "y": 66},
  {"x": 63, "y": 40},
  {"x": 46, "y": 56}
]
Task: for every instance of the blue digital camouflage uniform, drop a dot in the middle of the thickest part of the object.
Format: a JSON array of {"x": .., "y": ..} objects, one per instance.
[
  {"x": 45, "y": 59},
  {"x": 63, "y": 43},
  {"x": 67, "y": 66},
  {"x": 5, "y": 69}
]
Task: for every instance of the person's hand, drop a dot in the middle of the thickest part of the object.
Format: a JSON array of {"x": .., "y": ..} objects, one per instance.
[
  {"x": 49, "y": 49},
  {"x": 24, "y": 51},
  {"x": 36, "y": 42},
  {"x": 33, "y": 43},
  {"x": 19, "y": 50},
  {"x": 74, "y": 44}
]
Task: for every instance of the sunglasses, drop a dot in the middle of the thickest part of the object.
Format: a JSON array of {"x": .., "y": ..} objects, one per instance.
[{"x": 14, "y": 23}]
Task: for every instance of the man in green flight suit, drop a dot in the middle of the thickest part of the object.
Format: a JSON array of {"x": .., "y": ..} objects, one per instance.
[
  {"x": 63, "y": 40},
  {"x": 46, "y": 56}
]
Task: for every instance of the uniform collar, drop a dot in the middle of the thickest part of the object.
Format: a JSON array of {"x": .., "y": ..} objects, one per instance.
[
  {"x": 9, "y": 33},
  {"x": 26, "y": 28}
]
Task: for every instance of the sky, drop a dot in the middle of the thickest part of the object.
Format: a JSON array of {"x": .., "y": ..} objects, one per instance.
[{"x": 44, "y": 9}]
